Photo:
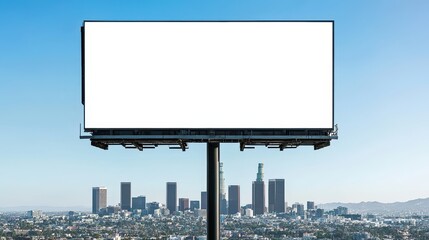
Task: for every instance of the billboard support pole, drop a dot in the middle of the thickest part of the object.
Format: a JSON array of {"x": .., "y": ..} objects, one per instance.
[{"x": 213, "y": 229}]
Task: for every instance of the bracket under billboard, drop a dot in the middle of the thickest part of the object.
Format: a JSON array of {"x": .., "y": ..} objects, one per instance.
[{"x": 180, "y": 139}]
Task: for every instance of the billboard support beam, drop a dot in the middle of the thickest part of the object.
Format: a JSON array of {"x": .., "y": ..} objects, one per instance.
[{"x": 213, "y": 229}]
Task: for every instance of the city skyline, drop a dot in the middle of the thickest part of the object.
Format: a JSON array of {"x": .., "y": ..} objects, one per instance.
[
  {"x": 380, "y": 95},
  {"x": 114, "y": 224},
  {"x": 172, "y": 196}
]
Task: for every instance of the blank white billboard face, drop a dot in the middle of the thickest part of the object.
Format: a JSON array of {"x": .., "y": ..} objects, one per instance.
[{"x": 249, "y": 75}]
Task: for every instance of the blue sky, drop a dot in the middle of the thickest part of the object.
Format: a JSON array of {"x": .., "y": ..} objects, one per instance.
[{"x": 381, "y": 96}]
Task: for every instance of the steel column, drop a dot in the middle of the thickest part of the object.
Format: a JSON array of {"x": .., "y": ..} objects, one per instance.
[{"x": 213, "y": 229}]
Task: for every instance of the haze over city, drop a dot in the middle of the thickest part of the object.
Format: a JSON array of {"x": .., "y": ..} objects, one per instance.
[{"x": 381, "y": 85}]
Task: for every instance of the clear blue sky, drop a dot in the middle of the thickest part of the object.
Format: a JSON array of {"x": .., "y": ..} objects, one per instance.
[{"x": 381, "y": 107}]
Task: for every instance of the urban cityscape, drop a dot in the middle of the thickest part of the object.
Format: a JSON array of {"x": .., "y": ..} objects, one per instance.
[
  {"x": 184, "y": 218},
  {"x": 368, "y": 184}
]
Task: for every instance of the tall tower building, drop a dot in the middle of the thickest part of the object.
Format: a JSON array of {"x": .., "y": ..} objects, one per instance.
[
  {"x": 172, "y": 196},
  {"x": 183, "y": 204},
  {"x": 310, "y": 205},
  {"x": 276, "y": 195},
  {"x": 300, "y": 210},
  {"x": 99, "y": 199},
  {"x": 222, "y": 193},
  {"x": 203, "y": 200},
  {"x": 260, "y": 174},
  {"x": 258, "y": 192},
  {"x": 234, "y": 199},
  {"x": 126, "y": 196}
]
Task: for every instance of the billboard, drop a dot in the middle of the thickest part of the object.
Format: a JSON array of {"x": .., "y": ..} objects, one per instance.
[{"x": 207, "y": 74}]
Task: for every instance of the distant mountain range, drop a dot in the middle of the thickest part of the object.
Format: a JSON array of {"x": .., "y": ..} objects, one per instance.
[{"x": 418, "y": 206}]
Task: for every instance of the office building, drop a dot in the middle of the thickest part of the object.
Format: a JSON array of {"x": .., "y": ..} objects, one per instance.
[
  {"x": 172, "y": 196},
  {"x": 300, "y": 210},
  {"x": 234, "y": 199},
  {"x": 112, "y": 209},
  {"x": 139, "y": 202},
  {"x": 222, "y": 192},
  {"x": 34, "y": 214},
  {"x": 276, "y": 196},
  {"x": 271, "y": 195},
  {"x": 203, "y": 200},
  {"x": 99, "y": 199},
  {"x": 152, "y": 206},
  {"x": 310, "y": 205},
  {"x": 258, "y": 192},
  {"x": 126, "y": 196},
  {"x": 249, "y": 212},
  {"x": 194, "y": 205},
  {"x": 183, "y": 204}
]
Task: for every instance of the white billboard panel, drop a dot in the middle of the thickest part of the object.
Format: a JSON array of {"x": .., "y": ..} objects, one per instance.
[{"x": 247, "y": 75}]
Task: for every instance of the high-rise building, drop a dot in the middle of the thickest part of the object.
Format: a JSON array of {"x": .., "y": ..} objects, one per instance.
[
  {"x": 172, "y": 196},
  {"x": 203, "y": 200},
  {"x": 139, "y": 202},
  {"x": 194, "y": 205},
  {"x": 300, "y": 210},
  {"x": 234, "y": 199},
  {"x": 258, "y": 192},
  {"x": 126, "y": 196},
  {"x": 99, "y": 199},
  {"x": 271, "y": 195},
  {"x": 222, "y": 192},
  {"x": 183, "y": 204},
  {"x": 276, "y": 195},
  {"x": 260, "y": 174},
  {"x": 310, "y": 205}
]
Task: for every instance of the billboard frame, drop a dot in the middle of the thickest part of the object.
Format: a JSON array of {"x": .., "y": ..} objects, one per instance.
[{"x": 195, "y": 131}]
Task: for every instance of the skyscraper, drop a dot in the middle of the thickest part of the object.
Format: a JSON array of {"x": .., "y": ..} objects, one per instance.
[
  {"x": 172, "y": 196},
  {"x": 276, "y": 195},
  {"x": 99, "y": 199},
  {"x": 300, "y": 210},
  {"x": 271, "y": 195},
  {"x": 139, "y": 202},
  {"x": 234, "y": 199},
  {"x": 126, "y": 196},
  {"x": 203, "y": 200},
  {"x": 258, "y": 192},
  {"x": 183, "y": 204},
  {"x": 222, "y": 193},
  {"x": 260, "y": 174},
  {"x": 310, "y": 205}
]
